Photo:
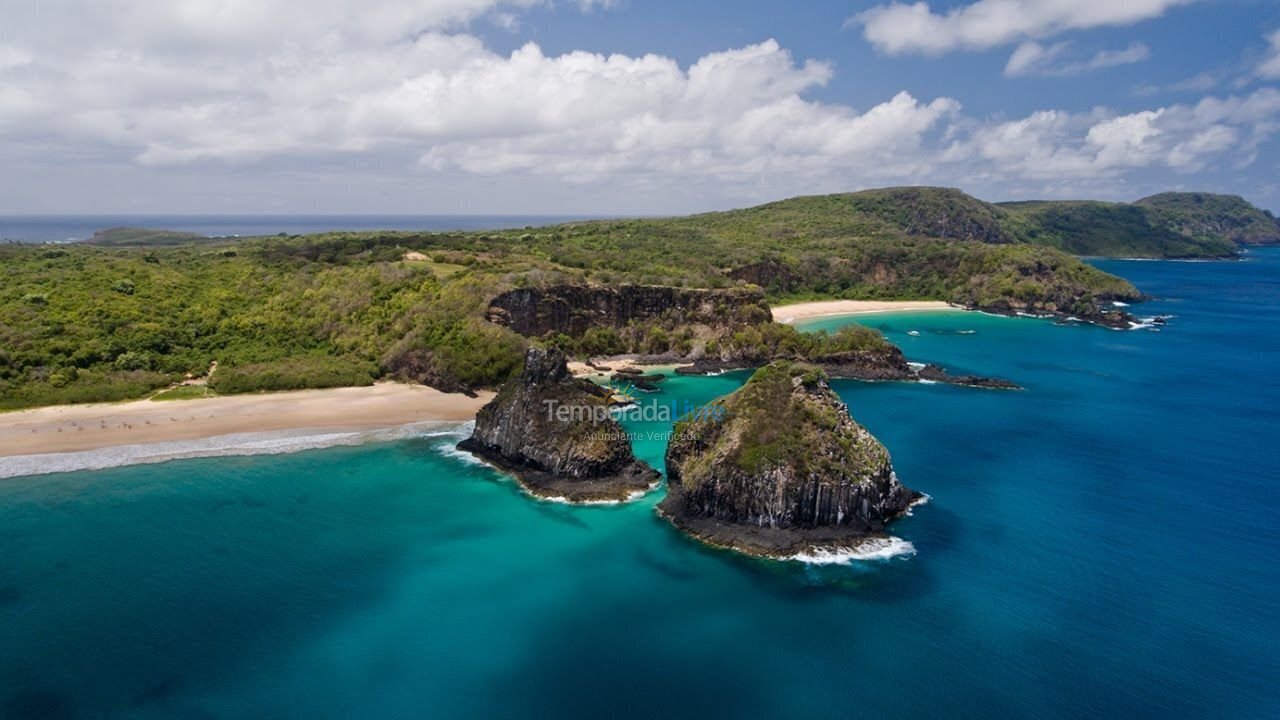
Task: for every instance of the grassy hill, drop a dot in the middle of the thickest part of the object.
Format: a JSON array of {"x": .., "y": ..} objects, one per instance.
[
  {"x": 1205, "y": 215},
  {"x": 1108, "y": 230},
  {"x": 1173, "y": 225}
]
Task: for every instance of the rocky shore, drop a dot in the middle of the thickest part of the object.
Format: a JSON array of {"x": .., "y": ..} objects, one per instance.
[{"x": 884, "y": 365}]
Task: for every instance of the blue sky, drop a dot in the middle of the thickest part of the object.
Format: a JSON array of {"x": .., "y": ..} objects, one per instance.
[{"x": 625, "y": 106}]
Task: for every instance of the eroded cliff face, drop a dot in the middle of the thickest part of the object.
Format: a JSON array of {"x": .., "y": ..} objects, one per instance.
[
  {"x": 574, "y": 309},
  {"x": 554, "y": 432},
  {"x": 779, "y": 467}
]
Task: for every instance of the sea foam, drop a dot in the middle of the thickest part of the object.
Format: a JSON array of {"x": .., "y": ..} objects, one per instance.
[
  {"x": 871, "y": 549},
  {"x": 259, "y": 443}
]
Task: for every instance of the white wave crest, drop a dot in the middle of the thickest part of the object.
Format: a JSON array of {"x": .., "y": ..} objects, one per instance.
[
  {"x": 922, "y": 500},
  {"x": 631, "y": 497},
  {"x": 261, "y": 443},
  {"x": 871, "y": 549}
]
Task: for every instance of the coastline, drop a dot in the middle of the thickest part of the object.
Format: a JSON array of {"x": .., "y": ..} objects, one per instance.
[
  {"x": 347, "y": 411},
  {"x": 618, "y": 363},
  {"x": 796, "y": 312}
]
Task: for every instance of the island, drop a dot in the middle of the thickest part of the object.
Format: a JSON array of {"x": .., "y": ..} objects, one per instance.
[
  {"x": 555, "y": 434},
  {"x": 779, "y": 469}
]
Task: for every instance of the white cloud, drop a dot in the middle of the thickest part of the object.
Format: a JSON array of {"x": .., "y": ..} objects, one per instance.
[
  {"x": 1056, "y": 145},
  {"x": 389, "y": 87},
  {"x": 1270, "y": 66},
  {"x": 900, "y": 28},
  {"x": 399, "y": 95},
  {"x": 1032, "y": 58}
]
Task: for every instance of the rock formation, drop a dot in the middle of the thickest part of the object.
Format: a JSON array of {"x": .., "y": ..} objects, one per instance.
[
  {"x": 554, "y": 432},
  {"x": 574, "y": 309},
  {"x": 779, "y": 468},
  {"x": 886, "y": 363}
]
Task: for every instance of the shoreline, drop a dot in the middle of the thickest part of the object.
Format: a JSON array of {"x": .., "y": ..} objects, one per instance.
[
  {"x": 68, "y": 429},
  {"x": 796, "y": 312},
  {"x": 579, "y": 368}
]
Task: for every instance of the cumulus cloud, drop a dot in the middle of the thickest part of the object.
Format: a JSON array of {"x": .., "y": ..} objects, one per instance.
[
  {"x": 900, "y": 28},
  {"x": 396, "y": 93},
  {"x": 1056, "y": 145},
  {"x": 399, "y": 82},
  {"x": 1032, "y": 58}
]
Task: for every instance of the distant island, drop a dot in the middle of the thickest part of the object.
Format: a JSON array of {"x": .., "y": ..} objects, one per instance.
[
  {"x": 134, "y": 311},
  {"x": 141, "y": 237}
]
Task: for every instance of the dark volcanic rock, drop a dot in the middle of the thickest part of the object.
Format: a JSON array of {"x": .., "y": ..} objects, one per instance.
[
  {"x": 885, "y": 364},
  {"x": 767, "y": 274},
  {"x": 573, "y": 309},
  {"x": 938, "y": 374},
  {"x": 779, "y": 468},
  {"x": 555, "y": 433}
]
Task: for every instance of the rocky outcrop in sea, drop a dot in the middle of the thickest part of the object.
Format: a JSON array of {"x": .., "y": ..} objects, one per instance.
[
  {"x": 555, "y": 433},
  {"x": 779, "y": 468}
]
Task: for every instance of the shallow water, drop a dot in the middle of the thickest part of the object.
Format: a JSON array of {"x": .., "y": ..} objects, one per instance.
[{"x": 1102, "y": 543}]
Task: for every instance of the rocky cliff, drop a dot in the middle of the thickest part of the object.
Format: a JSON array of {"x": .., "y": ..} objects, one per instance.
[
  {"x": 574, "y": 309},
  {"x": 779, "y": 468},
  {"x": 554, "y": 432}
]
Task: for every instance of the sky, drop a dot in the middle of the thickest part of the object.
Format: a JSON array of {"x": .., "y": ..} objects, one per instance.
[{"x": 625, "y": 107}]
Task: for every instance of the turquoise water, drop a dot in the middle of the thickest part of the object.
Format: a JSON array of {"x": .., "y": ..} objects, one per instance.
[{"x": 1101, "y": 544}]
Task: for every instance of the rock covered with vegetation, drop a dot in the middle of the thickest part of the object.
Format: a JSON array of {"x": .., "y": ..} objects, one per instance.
[
  {"x": 555, "y": 433},
  {"x": 779, "y": 468},
  {"x": 853, "y": 352}
]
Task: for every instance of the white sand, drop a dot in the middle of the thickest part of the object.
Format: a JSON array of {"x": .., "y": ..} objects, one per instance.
[
  {"x": 74, "y": 428},
  {"x": 825, "y": 308}
]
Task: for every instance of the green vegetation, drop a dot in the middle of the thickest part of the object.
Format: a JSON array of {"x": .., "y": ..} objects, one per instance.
[
  {"x": 1207, "y": 216},
  {"x": 85, "y": 322},
  {"x": 783, "y": 417},
  {"x": 141, "y": 237},
  {"x": 1108, "y": 230}
]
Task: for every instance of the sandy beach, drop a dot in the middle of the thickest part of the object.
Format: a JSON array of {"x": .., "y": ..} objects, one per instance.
[
  {"x": 824, "y": 308},
  {"x": 580, "y": 369},
  {"x": 75, "y": 428}
]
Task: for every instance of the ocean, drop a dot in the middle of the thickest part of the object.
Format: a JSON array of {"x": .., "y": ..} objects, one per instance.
[
  {"x": 1103, "y": 543},
  {"x": 70, "y": 228}
]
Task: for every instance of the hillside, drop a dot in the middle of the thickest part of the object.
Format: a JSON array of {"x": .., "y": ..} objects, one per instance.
[
  {"x": 84, "y": 323},
  {"x": 1108, "y": 230},
  {"x": 1205, "y": 215},
  {"x": 1172, "y": 225}
]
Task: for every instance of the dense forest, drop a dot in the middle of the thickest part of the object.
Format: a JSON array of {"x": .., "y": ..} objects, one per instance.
[{"x": 95, "y": 322}]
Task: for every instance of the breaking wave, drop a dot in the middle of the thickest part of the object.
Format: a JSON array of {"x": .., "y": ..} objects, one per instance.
[
  {"x": 260, "y": 443},
  {"x": 885, "y": 548}
]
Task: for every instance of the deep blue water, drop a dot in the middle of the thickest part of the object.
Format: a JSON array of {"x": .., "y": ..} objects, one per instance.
[
  {"x": 64, "y": 228},
  {"x": 1102, "y": 544}
]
